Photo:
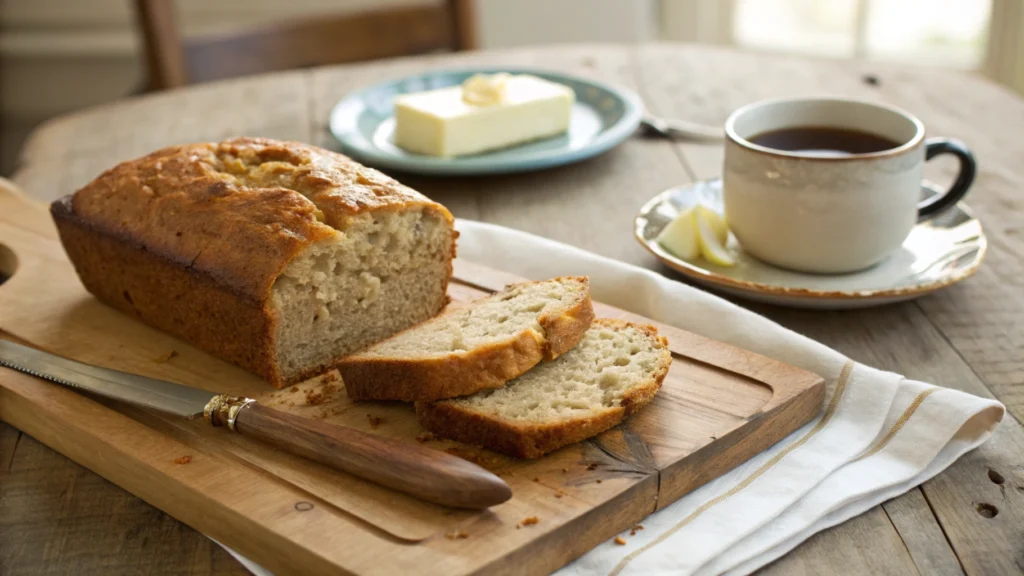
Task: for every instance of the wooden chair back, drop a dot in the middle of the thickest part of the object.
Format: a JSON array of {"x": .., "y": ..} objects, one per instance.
[{"x": 173, "y": 61}]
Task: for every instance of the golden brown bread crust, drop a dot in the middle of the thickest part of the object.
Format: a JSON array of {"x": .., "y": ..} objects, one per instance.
[
  {"x": 563, "y": 331},
  {"x": 190, "y": 239},
  {"x": 238, "y": 210},
  {"x": 166, "y": 295},
  {"x": 463, "y": 373},
  {"x": 533, "y": 440}
]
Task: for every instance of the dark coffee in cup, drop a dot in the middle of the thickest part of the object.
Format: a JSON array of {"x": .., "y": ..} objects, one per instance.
[{"x": 824, "y": 140}]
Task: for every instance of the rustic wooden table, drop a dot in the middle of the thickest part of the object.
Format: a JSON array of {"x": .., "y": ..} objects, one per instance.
[{"x": 57, "y": 518}]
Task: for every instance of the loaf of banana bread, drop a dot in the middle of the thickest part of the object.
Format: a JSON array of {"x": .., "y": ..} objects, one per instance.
[{"x": 278, "y": 256}]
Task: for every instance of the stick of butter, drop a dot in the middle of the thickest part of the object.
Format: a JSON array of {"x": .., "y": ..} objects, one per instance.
[{"x": 487, "y": 112}]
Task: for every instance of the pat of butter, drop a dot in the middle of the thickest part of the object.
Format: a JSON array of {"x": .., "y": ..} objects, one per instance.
[
  {"x": 484, "y": 114},
  {"x": 485, "y": 89}
]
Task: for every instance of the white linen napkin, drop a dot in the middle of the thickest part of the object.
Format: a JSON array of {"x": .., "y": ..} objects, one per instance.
[{"x": 878, "y": 436}]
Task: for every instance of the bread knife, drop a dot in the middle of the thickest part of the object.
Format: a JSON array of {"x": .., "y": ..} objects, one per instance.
[{"x": 419, "y": 471}]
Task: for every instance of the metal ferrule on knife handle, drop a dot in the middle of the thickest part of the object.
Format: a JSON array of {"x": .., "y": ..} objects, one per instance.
[{"x": 222, "y": 410}]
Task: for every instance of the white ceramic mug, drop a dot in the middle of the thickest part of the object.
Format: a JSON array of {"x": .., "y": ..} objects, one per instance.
[{"x": 830, "y": 214}]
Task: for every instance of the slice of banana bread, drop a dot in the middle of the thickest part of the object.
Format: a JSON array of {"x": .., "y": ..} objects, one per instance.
[
  {"x": 278, "y": 256},
  {"x": 615, "y": 370},
  {"x": 477, "y": 346}
]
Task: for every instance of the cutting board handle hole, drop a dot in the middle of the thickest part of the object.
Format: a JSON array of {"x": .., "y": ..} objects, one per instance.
[{"x": 8, "y": 263}]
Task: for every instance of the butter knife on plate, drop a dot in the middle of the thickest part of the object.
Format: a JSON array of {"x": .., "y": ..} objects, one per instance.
[{"x": 421, "y": 472}]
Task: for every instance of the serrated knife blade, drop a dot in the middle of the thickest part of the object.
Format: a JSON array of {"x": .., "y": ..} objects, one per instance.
[{"x": 122, "y": 386}]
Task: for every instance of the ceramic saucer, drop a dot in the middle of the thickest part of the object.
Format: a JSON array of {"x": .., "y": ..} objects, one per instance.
[{"x": 939, "y": 252}]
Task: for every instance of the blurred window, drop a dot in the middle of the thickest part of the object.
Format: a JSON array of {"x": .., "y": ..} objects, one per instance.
[{"x": 949, "y": 33}]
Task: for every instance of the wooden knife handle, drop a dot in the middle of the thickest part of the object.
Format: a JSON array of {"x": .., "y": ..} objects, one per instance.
[{"x": 427, "y": 474}]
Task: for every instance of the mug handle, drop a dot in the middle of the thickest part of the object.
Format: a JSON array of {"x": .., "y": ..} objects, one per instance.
[{"x": 968, "y": 167}]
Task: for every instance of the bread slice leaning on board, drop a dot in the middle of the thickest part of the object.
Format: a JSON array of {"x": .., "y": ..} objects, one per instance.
[
  {"x": 478, "y": 346},
  {"x": 278, "y": 256},
  {"x": 616, "y": 369}
]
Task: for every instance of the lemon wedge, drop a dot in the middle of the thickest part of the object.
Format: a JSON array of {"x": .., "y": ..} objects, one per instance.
[
  {"x": 710, "y": 246},
  {"x": 680, "y": 236},
  {"x": 716, "y": 222}
]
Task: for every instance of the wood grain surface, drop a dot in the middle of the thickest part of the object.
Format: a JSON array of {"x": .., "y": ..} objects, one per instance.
[
  {"x": 969, "y": 337},
  {"x": 718, "y": 407}
]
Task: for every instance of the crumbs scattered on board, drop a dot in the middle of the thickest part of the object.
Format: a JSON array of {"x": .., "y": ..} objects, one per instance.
[
  {"x": 165, "y": 357},
  {"x": 592, "y": 466},
  {"x": 374, "y": 421},
  {"x": 329, "y": 378},
  {"x": 424, "y": 437},
  {"x": 559, "y": 494},
  {"x": 182, "y": 459},
  {"x": 457, "y": 535},
  {"x": 316, "y": 397},
  {"x": 635, "y": 528},
  {"x": 619, "y": 540}
]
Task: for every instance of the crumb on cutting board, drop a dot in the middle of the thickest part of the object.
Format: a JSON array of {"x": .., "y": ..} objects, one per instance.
[
  {"x": 559, "y": 494},
  {"x": 183, "y": 459},
  {"x": 592, "y": 466},
  {"x": 329, "y": 377},
  {"x": 529, "y": 521},
  {"x": 635, "y": 528},
  {"x": 620, "y": 541},
  {"x": 374, "y": 420},
  {"x": 424, "y": 437},
  {"x": 165, "y": 357},
  {"x": 457, "y": 535},
  {"x": 565, "y": 470}
]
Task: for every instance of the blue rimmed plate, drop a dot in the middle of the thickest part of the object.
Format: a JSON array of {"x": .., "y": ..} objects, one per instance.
[{"x": 602, "y": 117}]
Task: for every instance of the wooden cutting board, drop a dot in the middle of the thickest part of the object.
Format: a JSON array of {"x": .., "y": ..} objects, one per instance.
[{"x": 718, "y": 407}]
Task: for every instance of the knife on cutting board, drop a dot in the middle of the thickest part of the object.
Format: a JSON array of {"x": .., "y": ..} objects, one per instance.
[{"x": 419, "y": 471}]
